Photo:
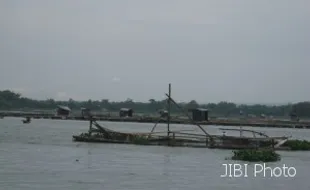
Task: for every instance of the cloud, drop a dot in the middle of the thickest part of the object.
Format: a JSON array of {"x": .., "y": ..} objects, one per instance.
[
  {"x": 151, "y": 43},
  {"x": 116, "y": 79},
  {"x": 61, "y": 95},
  {"x": 19, "y": 90}
]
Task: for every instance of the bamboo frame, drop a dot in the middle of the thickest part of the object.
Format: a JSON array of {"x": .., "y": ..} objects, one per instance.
[{"x": 179, "y": 138}]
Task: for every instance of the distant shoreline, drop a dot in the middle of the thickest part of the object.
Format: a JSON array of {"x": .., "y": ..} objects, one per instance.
[{"x": 144, "y": 119}]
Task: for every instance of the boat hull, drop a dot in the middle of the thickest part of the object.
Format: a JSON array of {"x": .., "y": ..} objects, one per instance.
[{"x": 174, "y": 143}]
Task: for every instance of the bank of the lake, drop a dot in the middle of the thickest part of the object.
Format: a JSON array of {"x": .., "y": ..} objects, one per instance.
[{"x": 177, "y": 120}]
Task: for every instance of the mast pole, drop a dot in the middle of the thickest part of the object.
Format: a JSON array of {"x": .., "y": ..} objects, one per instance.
[{"x": 169, "y": 110}]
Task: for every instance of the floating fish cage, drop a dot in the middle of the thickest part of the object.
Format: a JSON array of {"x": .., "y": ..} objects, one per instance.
[{"x": 183, "y": 138}]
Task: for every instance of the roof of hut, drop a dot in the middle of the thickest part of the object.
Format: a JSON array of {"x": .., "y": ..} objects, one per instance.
[
  {"x": 64, "y": 108},
  {"x": 202, "y": 109},
  {"x": 163, "y": 111},
  {"x": 125, "y": 109},
  {"x": 199, "y": 109}
]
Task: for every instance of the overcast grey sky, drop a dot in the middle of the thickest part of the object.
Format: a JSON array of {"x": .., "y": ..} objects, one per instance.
[{"x": 244, "y": 51}]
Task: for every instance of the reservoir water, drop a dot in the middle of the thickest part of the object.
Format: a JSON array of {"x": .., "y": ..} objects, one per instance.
[{"x": 41, "y": 155}]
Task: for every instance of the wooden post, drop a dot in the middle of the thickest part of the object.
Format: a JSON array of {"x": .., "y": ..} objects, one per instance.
[
  {"x": 90, "y": 125},
  {"x": 169, "y": 109},
  {"x": 189, "y": 117},
  {"x": 240, "y": 119}
]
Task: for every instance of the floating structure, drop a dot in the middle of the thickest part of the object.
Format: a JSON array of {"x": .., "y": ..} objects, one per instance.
[
  {"x": 126, "y": 112},
  {"x": 294, "y": 117},
  {"x": 200, "y": 114},
  {"x": 63, "y": 111},
  {"x": 85, "y": 112},
  {"x": 163, "y": 113},
  {"x": 27, "y": 120},
  {"x": 98, "y": 133}
]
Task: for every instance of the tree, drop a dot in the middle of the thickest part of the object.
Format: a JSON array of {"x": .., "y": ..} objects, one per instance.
[
  {"x": 129, "y": 100},
  {"x": 10, "y": 100},
  {"x": 71, "y": 104},
  {"x": 192, "y": 104},
  {"x": 302, "y": 109},
  {"x": 152, "y": 101}
]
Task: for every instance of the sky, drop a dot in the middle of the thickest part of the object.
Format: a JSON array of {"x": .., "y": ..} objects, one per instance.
[{"x": 240, "y": 51}]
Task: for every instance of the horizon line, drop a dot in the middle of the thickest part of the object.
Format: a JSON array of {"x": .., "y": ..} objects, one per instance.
[{"x": 138, "y": 101}]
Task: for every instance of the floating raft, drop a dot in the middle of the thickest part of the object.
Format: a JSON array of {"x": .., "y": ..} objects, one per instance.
[
  {"x": 100, "y": 134},
  {"x": 183, "y": 138}
]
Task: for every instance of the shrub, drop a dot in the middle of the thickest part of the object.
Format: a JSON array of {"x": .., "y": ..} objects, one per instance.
[
  {"x": 298, "y": 144},
  {"x": 253, "y": 155}
]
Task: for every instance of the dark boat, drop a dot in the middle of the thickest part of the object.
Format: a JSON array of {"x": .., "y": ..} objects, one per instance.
[{"x": 27, "y": 120}]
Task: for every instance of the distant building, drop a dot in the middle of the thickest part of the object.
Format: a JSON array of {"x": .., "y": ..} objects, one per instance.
[
  {"x": 251, "y": 115},
  {"x": 294, "y": 117},
  {"x": 125, "y": 112},
  {"x": 85, "y": 112},
  {"x": 200, "y": 114},
  {"x": 163, "y": 113},
  {"x": 63, "y": 111}
]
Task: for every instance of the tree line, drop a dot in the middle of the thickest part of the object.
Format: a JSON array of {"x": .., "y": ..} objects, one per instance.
[{"x": 10, "y": 100}]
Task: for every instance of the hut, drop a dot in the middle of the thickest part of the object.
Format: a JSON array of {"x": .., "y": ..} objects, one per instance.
[
  {"x": 200, "y": 114},
  {"x": 125, "y": 112},
  {"x": 163, "y": 113},
  {"x": 85, "y": 112},
  {"x": 63, "y": 111},
  {"x": 294, "y": 117}
]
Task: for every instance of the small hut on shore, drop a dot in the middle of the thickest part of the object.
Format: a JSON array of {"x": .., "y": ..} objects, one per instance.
[
  {"x": 163, "y": 113},
  {"x": 200, "y": 114},
  {"x": 125, "y": 112},
  {"x": 63, "y": 111},
  {"x": 85, "y": 112},
  {"x": 294, "y": 117}
]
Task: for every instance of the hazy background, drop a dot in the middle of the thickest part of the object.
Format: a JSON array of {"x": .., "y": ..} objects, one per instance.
[{"x": 210, "y": 50}]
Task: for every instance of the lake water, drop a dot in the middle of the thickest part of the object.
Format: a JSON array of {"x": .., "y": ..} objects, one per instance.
[{"x": 41, "y": 155}]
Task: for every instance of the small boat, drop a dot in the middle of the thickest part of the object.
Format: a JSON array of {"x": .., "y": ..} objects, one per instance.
[{"x": 27, "y": 120}]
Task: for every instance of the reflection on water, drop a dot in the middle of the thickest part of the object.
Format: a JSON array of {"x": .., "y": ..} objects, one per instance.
[
  {"x": 41, "y": 155},
  {"x": 166, "y": 164}
]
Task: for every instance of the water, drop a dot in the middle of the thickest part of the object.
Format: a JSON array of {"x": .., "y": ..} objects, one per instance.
[{"x": 41, "y": 155}]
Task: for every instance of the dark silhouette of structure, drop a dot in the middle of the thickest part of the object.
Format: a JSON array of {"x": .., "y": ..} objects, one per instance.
[
  {"x": 125, "y": 112},
  {"x": 200, "y": 114},
  {"x": 294, "y": 117},
  {"x": 85, "y": 112},
  {"x": 163, "y": 113},
  {"x": 63, "y": 111}
]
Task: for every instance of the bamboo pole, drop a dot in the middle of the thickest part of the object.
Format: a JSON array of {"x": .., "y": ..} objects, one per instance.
[
  {"x": 169, "y": 110},
  {"x": 90, "y": 127},
  {"x": 187, "y": 115}
]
